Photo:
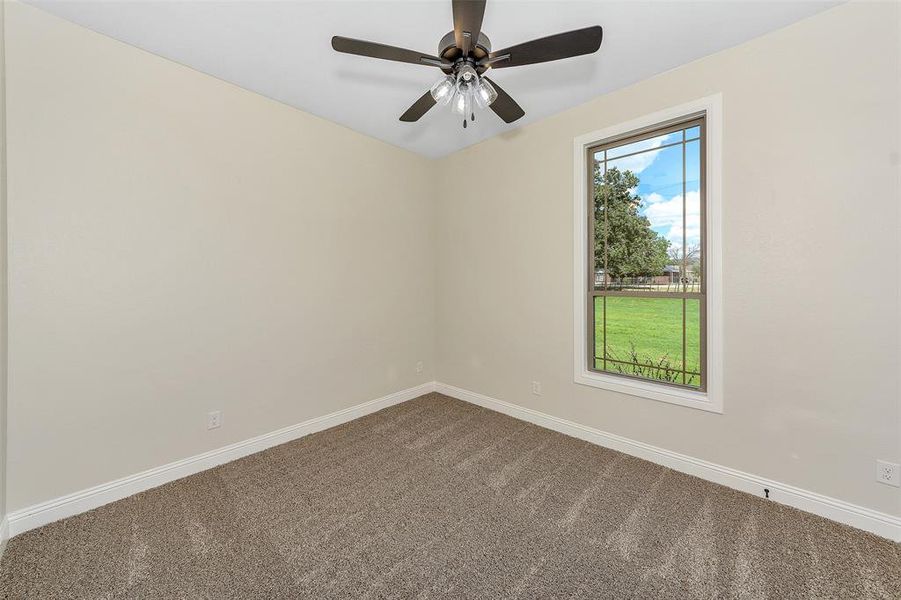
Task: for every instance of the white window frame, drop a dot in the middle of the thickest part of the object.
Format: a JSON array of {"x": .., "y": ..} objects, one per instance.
[{"x": 712, "y": 399}]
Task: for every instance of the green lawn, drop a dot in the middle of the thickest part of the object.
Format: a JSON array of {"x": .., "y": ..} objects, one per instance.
[{"x": 653, "y": 328}]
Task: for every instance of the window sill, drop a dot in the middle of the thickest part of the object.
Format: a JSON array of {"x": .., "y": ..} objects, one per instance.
[{"x": 654, "y": 391}]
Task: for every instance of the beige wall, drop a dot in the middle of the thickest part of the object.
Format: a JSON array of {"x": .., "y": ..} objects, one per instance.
[
  {"x": 2, "y": 265},
  {"x": 179, "y": 245},
  {"x": 810, "y": 202}
]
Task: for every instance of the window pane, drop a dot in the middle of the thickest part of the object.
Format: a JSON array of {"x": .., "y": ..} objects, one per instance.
[
  {"x": 643, "y": 337},
  {"x": 599, "y": 332},
  {"x": 643, "y": 196},
  {"x": 658, "y": 171},
  {"x": 692, "y": 243},
  {"x": 645, "y": 330},
  {"x": 693, "y": 166},
  {"x": 693, "y": 342},
  {"x": 692, "y": 133},
  {"x": 648, "y": 144}
]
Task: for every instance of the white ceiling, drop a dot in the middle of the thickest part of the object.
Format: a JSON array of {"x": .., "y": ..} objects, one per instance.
[{"x": 282, "y": 50}]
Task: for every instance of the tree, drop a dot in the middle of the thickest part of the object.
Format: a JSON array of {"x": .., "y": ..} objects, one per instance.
[
  {"x": 690, "y": 272},
  {"x": 692, "y": 255},
  {"x": 692, "y": 259},
  {"x": 624, "y": 235}
]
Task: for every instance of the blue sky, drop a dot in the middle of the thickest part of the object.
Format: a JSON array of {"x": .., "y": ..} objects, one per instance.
[{"x": 660, "y": 173}]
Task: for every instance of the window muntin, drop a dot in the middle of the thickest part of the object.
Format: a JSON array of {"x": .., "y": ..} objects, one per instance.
[{"x": 646, "y": 287}]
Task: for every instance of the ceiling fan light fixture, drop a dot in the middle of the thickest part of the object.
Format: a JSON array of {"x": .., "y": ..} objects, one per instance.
[
  {"x": 485, "y": 93},
  {"x": 467, "y": 79},
  {"x": 461, "y": 102},
  {"x": 443, "y": 90}
]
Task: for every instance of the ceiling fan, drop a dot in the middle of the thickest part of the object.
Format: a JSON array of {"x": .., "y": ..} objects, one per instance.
[{"x": 464, "y": 55}]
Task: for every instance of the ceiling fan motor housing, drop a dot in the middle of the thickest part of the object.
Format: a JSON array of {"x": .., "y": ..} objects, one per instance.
[{"x": 448, "y": 50}]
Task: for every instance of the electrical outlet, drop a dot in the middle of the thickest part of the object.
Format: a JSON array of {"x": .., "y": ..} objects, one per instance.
[
  {"x": 419, "y": 367},
  {"x": 888, "y": 473},
  {"x": 536, "y": 388},
  {"x": 214, "y": 420}
]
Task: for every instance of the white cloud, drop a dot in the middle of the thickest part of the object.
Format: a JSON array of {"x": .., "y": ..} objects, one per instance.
[
  {"x": 653, "y": 198},
  {"x": 636, "y": 164},
  {"x": 666, "y": 216}
]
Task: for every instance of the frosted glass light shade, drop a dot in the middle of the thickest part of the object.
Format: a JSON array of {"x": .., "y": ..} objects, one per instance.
[
  {"x": 460, "y": 103},
  {"x": 485, "y": 93},
  {"x": 443, "y": 90}
]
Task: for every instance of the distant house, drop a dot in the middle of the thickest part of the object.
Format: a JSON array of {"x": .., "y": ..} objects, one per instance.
[{"x": 670, "y": 274}]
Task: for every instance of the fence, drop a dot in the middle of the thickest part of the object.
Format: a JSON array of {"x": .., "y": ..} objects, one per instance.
[{"x": 660, "y": 283}]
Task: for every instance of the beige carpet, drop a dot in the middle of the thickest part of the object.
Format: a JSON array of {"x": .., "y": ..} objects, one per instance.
[{"x": 436, "y": 498}]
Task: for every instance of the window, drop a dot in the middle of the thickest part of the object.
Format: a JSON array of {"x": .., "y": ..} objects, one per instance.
[
  {"x": 647, "y": 305},
  {"x": 648, "y": 277}
]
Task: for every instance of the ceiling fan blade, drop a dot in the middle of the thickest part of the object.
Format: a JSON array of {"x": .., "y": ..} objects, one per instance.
[
  {"x": 419, "y": 108},
  {"x": 553, "y": 47},
  {"x": 504, "y": 106},
  {"x": 375, "y": 50},
  {"x": 467, "y": 23}
]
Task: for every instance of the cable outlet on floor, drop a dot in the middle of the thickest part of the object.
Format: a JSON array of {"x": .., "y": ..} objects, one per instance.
[
  {"x": 214, "y": 420},
  {"x": 536, "y": 388},
  {"x": 888, "y": 473}
]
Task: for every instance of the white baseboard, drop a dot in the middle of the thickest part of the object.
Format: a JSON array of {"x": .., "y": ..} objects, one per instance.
[
  {"x": 881, "y": 524},
  {"x": 4, "y": 534},
  {"x": 31, "y": 517},
  {"x": 85, "y": 500}
]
